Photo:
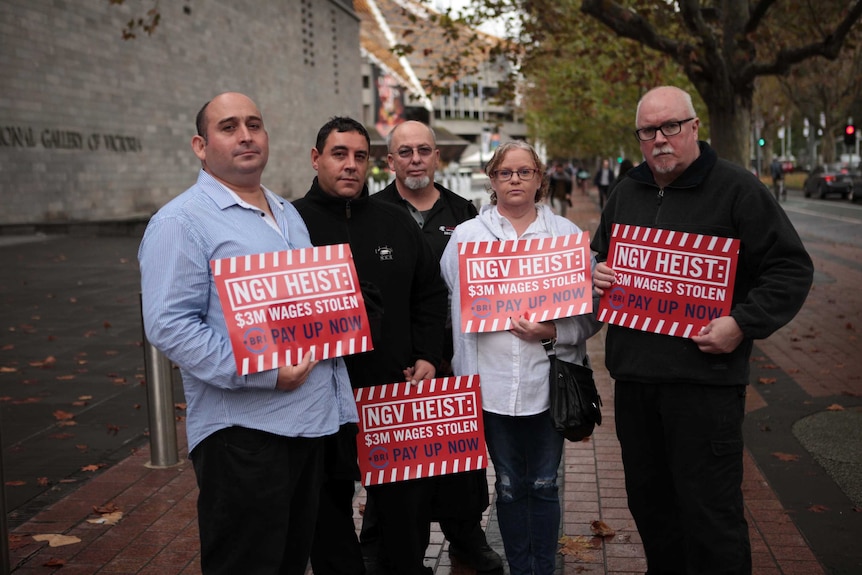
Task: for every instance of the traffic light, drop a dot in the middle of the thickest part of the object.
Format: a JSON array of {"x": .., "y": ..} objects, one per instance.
[
  {"x": 761, "y": 142},
  {"x": 849, "y": 135}
]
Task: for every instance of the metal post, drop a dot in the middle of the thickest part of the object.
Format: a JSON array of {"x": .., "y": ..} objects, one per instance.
[
  {"x": 4, "y": 528},
  {"x": 160, "y": 401}
]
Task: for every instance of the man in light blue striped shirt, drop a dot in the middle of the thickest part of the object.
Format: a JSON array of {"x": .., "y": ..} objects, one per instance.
[{"x": 256, "y": 440}]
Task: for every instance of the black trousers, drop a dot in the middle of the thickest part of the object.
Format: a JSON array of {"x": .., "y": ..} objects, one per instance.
[
  {"x": 336, "y": 548},
  {"x": 682, "y": 454},
  {"x": 258, "y": 496}
]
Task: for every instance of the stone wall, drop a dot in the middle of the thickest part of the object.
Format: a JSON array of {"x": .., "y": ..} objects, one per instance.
[{"x": 97, "y": 128}]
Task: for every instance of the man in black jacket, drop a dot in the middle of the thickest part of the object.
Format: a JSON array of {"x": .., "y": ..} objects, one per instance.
[
  {"x": 462, "y": 497},
  {"x": 393, "y": 260},
  {"x": 680, "y": 401}
]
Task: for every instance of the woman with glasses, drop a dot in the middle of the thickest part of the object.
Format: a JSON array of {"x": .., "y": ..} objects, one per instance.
[{"x": 513, "y": 365}]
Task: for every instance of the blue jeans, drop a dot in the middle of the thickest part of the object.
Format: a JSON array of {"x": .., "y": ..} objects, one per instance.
[{"x": 526, "y": 452}]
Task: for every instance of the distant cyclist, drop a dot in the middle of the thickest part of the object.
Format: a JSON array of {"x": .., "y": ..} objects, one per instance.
[{"x": 778, "y": 180}]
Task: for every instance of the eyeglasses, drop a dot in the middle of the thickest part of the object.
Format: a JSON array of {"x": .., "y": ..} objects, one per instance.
[
  {"x": 668, "y": 129},
  {"x": 407, "y": 153},
  {"x": 526, "y": 174}
]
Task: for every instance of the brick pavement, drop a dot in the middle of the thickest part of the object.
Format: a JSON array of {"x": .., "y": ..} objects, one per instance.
[{"x": 158, "y": 532}]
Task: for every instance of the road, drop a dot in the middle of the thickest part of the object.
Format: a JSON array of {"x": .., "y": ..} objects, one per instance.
[{"x": 831, "y": 219}]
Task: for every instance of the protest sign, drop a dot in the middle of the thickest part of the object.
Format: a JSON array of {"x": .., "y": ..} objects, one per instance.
[
  {"x": 668, "y": 282},
  {"x": 539, "y": 278},
  {"x": 280, "y": 305},
  {"x": 413, "y": 431}
]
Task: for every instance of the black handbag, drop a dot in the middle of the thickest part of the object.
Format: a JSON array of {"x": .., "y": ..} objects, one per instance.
[{"x": 575, "y": 401}]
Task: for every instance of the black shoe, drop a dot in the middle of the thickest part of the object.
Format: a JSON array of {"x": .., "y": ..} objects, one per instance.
[{"x": 481, "y": 558}]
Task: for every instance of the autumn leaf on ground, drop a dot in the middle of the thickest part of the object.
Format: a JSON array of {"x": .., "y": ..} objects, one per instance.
[
  {"x": 7, "y": 347},
  {"x": 768, "y": 366},
  {"x": 54, "y": 562},
  {"x": 109, "y": 514},
  {"x": 47, "y": 363},
  {"x": 835, "y": 407},
  {"x": 26, "y": 401},
  {"x": 93, "y": 467},
  {"x": 83, "y": 448},
  {"x": 15, "y": 483},
  {"x": 818, "y": 508},
  {"x": 113, "y": 429},
  {"x": 107, "y": 519},
  {"x": 601, "y": 529},
  {"x": 42, "y": 481},
  {"x": 578, "y": 547},
  {"x": 18, "y": 541},
  {"x": 65, "y": 377},
  {"x": 107, "y": 325},
  {"x": 5, "y": 369},
  {"x": 785, "y": 456},
  {"x": 766, "y": 380},
  {"x": 61, "y": 415},
  {"x": 57, "y": 540}
]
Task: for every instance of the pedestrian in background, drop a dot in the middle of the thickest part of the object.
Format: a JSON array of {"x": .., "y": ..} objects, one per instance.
[
  {"x": 255, "y": 441},
  {"x": 603, "y": 180},
  {"x": 513, "y": 366},
  {"x": 413, "y": 157},
  {"x": 679, "y": 402},
  {"x": 394, "y": 260},
  {"x": 560, "y": 187}
]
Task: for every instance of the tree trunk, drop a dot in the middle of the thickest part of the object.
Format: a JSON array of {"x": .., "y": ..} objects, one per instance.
[{"x": 730, "y": 125}]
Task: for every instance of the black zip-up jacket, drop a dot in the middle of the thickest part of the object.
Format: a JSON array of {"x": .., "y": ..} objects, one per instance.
[
  {"x": 390, "y": 253},
  {"x": 774, "y": 272},
  {"x": 440, "y": 221}
]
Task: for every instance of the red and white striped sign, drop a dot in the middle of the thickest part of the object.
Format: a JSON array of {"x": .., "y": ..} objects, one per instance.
[
  {"x": 413, "y": 431},
  {"x": 538, "y": 278},
  {"x": 280, "y": 305},
  {"x": 668, "y": 282}
]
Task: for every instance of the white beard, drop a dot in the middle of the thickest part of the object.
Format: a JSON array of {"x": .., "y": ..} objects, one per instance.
[
  {"x": 417, "y": 183},
  {"x": 664, "y": 165}
]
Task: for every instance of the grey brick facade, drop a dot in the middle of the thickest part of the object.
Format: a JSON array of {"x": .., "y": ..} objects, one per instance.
[{"x": 96, "y": 128}]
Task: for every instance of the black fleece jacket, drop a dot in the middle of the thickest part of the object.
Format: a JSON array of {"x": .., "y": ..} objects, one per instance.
[
  {"x": 390, "y": 253},
  {"x": 440, "y": 221},
  {"x": 774, "y": 272}
]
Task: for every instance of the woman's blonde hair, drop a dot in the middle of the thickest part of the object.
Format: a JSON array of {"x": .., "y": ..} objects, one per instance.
[{"x": 499, "y": 156}]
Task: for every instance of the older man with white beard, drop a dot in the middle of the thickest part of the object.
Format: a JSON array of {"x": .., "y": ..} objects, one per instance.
[{"x": 462, "y": 497}]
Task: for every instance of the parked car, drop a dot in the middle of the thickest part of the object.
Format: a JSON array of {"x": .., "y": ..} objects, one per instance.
[{"x": 825, "y": 180}]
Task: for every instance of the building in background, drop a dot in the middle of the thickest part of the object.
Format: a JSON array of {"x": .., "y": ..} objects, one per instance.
[
  {"x": 467, "y": 120},
  {"x": 97, "y": 128}
]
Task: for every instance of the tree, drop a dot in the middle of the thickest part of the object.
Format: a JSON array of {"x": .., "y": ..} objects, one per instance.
[{"x": 721, "y": 47}]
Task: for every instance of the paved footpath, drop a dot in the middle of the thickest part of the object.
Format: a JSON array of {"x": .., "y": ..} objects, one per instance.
[{"x": 801, "y": 519}]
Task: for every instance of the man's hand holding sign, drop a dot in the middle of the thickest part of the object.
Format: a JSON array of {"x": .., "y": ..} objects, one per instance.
[{"x": 673, "y": 283}]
